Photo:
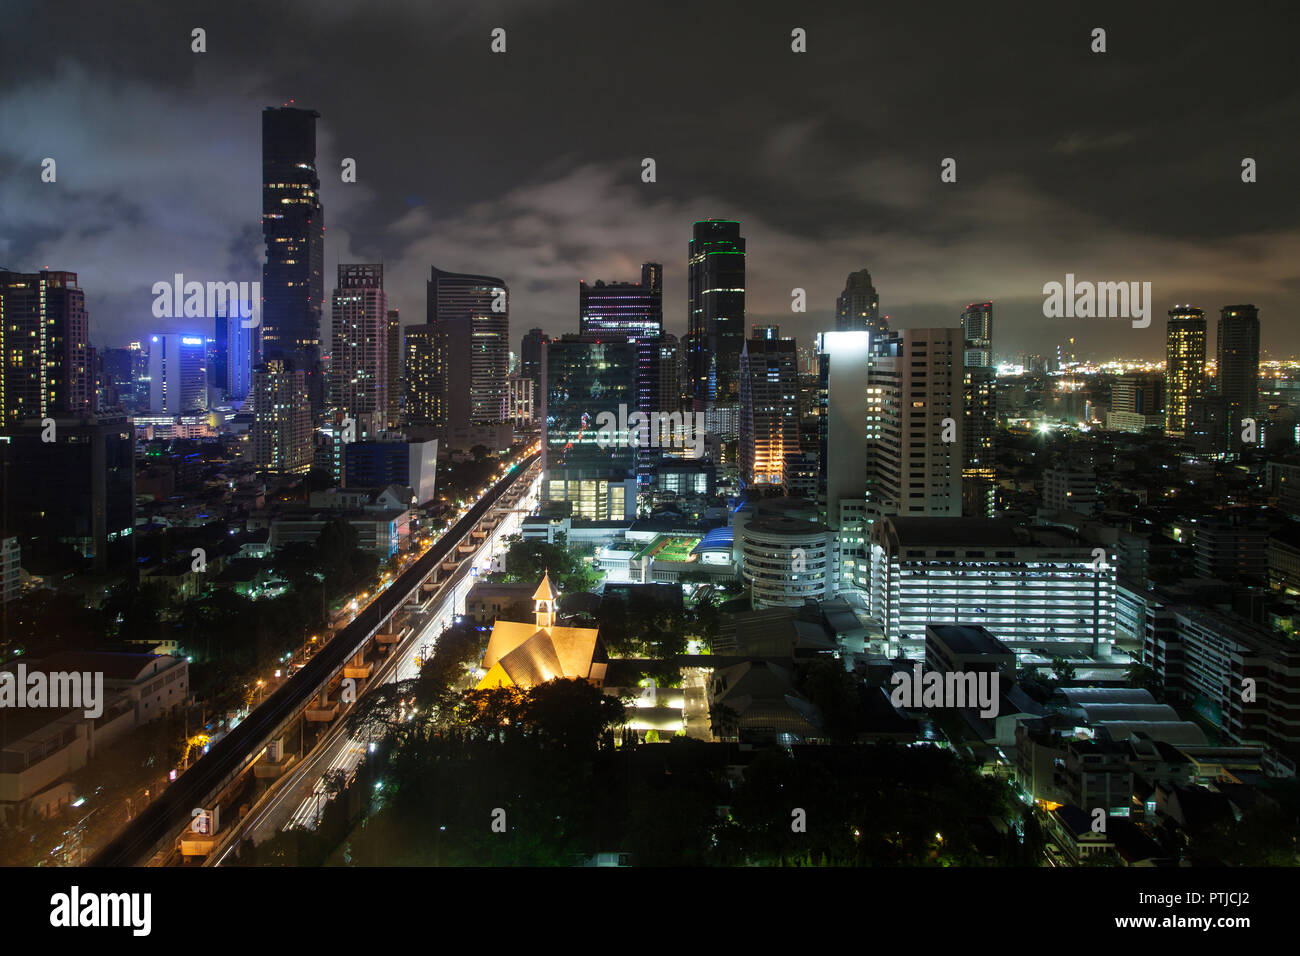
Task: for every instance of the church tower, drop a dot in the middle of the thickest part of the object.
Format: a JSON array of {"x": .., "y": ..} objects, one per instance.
[{"x": 545, "y": 600}]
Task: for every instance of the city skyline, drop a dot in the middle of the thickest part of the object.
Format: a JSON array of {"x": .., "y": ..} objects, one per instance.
[
  {"x": 913, "y": 482},
  {"x": 1027, "y": 207}
]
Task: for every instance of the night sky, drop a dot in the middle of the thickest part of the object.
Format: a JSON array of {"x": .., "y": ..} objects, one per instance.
[{"x": 1117, "y": 166}]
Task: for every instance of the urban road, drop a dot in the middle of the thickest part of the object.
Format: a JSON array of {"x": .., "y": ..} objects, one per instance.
[
  {"x": 298, "y": 799},
  {"x": 152, "y": 836}
]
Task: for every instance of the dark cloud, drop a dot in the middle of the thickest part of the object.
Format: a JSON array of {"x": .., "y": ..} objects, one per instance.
[{"x": 1122, "y": 166}]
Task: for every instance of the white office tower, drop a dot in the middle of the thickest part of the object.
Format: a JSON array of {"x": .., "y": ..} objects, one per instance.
[
  {"x": 178, "y": 375},
  {"x": 917, "y": 423},
  {"x": 847, "y": 357}
]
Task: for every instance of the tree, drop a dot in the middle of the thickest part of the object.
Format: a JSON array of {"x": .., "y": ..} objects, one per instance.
[
  {"x": 834, "y": 692},
  {"x": 571, "y": 714},
  {"x": 1141, "y": 676},
  {"x": 386, "y": 709},
  {"x": 1064, "y": 669}
]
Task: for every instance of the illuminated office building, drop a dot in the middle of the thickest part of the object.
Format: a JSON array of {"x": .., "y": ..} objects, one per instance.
[
  {"x": 293, "y": 228},
  {"x": 1038, "y": 590},
  {"x": 1184, "y": 366},
  {"x": 769, "y": 409},
  {"x": 590, "y": 468},
  {"x": 629, "y": 309},
  {"x": 715, "y": 279},
  {"x": 178, "y": 377}
]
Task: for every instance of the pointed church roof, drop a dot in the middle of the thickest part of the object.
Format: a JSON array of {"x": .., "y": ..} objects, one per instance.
[{"x": 544, "y": 590}]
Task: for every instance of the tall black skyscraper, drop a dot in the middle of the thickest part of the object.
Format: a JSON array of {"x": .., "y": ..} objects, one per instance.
[
  {"x": 1238, "y": 363},
  {"x": 858, "y": 306},
  {"x": 715, "y": 312},
  {"x": 530, "y": 355},
  {"x": 293, "y": 225}
]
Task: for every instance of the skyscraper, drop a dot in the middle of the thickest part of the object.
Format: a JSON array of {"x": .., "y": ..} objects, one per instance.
[
  {"x": 769, "y": 409},
  {"x": 1238, "y": 364},
  {"x": 979, "y": 431},
  {"x": 631, "y": 309},
  {"x": 359, "y": 353},
  {"x": 672, "y": 373},
  {"x": 858, "y": 306},
  {"x": 1184, "y": 365},
  {"x": 591, "y": 469},
  {"x": 178, "y": 375},
  {"x": 844, "y": 367},
  {"x": 977, "y": 327},
  {"x": 917, "y": 447},
  {"x": 715, "y": 312},
  {"x": 471, "y": 319},
  {"x": 282, "y": 439},
  {"x": 1137, "y": 402},
  {"x": 530, "y": 355},
  {"x": 78, "y": 491},
  {"x": 239, "y": 357},
  {"x": 422, "y": 384},
  {"x": 394, "y": 339},
  {"x": 44, "y": 340},
  {"x": 293, "y": 226}
]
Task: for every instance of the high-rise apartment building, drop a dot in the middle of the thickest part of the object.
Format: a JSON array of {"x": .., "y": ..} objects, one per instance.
[
  {"x": 979, "y": 440},
  {"x": 1184, "y": 365},
  {"x": 293, "y": 227},
  {"x": 394, "y": 369},
  {"x": 422, "y": 383},
  {"x": 916, "y": 435},
  {"x": 769, "y": 409},
  {"x": 282, "y": 434},
  {"x": 977, "y": 328},
  {"x": 715, "y": 313},
  {"x": 359, "y": 353},
  {"x": 44, "y": 343}
]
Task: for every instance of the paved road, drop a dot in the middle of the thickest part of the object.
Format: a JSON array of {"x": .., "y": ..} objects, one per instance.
[{"x": 298, "y": 798}]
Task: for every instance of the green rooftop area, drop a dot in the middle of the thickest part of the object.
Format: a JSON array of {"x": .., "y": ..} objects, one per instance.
[{"x": 669, "y": 548}]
